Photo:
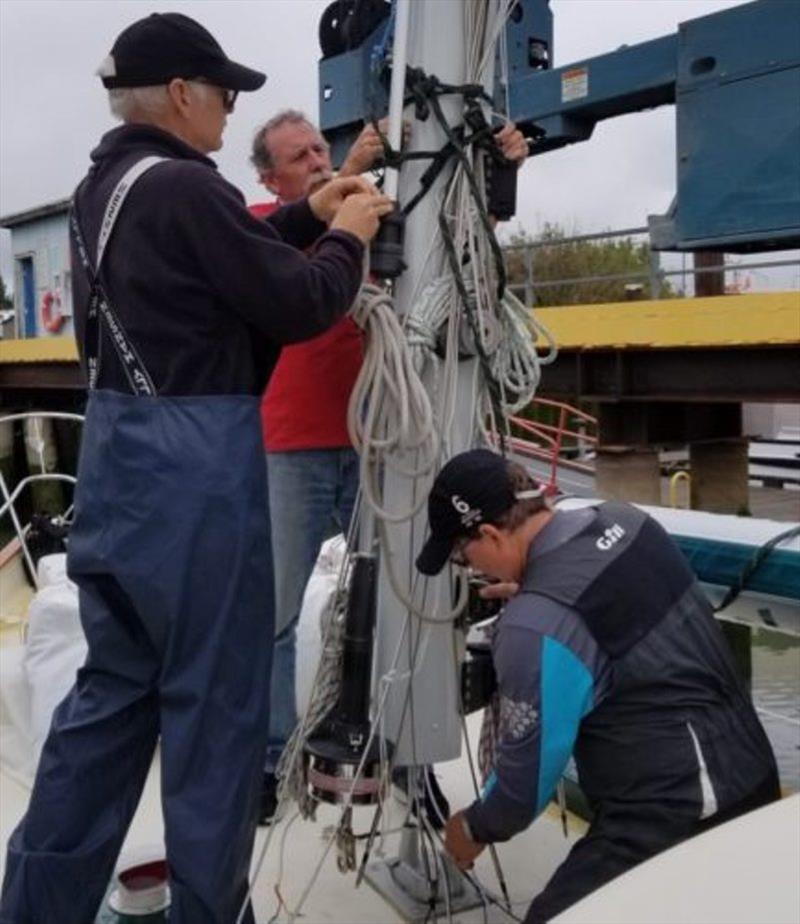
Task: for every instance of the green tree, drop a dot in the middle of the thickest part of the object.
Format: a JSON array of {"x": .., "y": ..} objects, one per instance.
[
  {"x": 556, "y": 259},
  {"x": 6, "y": 302}
]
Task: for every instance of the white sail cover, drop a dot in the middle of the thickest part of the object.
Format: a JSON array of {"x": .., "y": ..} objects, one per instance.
[{"x": 37, "y": 674}]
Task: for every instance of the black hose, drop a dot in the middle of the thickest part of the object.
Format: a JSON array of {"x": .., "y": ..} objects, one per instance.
[{"x": 755, "y": 562}]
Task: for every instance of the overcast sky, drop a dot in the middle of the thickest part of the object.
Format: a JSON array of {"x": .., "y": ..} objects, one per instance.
[{"x": 53, "y": 109}]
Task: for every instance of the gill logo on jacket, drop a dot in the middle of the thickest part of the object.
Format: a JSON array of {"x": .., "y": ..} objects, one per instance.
[{"x": 610, "y": 537}]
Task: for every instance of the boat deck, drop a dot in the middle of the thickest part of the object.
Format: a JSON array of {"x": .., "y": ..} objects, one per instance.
[{"x": 297, "y": 845}]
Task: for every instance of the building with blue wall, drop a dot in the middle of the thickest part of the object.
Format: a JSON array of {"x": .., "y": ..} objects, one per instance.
[{"x": 42, "y": 277}]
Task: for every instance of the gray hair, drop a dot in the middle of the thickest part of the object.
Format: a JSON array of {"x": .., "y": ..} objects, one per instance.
[
  {"x": 128, "y": 102},
  {"x": 261, "y": 156},
  {"x": 131, "y": 103}
]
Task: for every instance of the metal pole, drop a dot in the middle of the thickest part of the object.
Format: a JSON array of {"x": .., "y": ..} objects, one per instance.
[
  {"x": 655, "y": 274},
  {"x": 421, "y": 716},
  {"x": 711, "y": 281},
  {"x": 529, "y": 296}
]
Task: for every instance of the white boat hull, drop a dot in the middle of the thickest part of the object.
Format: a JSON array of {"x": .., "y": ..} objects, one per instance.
[{"x": 739, "y": 873}]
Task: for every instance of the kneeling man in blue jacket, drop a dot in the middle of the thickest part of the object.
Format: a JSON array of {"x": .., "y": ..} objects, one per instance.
[{"x": 607, "y": 651}]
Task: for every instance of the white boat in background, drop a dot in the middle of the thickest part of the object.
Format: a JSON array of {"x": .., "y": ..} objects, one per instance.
[
  {"x": 763, "y": 556},
  {"x": 775, "y": 462},
  {"x": 723, "y": 877}
]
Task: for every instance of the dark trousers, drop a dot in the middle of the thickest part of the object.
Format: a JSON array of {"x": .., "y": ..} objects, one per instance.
[
  {"x": 619, "y": 839},
  {"x": 170, "y": 551}
]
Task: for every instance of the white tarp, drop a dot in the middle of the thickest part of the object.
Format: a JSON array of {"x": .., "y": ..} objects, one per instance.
[{"x": 37, "y": 675}]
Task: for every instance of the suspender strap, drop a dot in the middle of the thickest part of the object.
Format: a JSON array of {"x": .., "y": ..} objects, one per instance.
[
  {"x": 99, "y": 307},
  {"x": 117, "y": 200}
]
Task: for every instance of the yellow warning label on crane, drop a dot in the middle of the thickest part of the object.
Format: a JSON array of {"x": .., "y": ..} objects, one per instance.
[{"x": 574, "y": 84}]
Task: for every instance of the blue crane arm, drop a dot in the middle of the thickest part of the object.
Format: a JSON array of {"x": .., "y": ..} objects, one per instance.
[
  {"x": 566, "y": 102},
  {"x": 733, "y": 76}
]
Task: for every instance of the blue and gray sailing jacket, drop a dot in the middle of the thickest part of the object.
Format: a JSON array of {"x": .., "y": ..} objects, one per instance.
[{"x": 610, "y": 653}]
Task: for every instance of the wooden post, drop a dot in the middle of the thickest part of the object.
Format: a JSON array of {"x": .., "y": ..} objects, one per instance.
[
  {"x": 709, "y": 283},
  {"x": 628, "y": 473}
]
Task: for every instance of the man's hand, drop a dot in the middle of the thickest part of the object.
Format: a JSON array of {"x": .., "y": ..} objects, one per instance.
[
  {"x": 327, "y": 200},
  {"x": 458, "y": 841},
  {"x": 512, "y": 143},
  {"x": 360, "y": 214},
  {"x": 368, "y": 148},
  {"x": 501, "y": 590}
]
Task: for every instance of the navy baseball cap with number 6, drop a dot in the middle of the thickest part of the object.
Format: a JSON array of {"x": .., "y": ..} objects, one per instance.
[{"x": 474, "y": 487}]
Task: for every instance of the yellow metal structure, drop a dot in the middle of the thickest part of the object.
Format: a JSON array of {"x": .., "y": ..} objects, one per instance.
[
  {"x": 771, "y": 318},
  {"x": 39, "y": 350},
  {"x": 768, "y": 319}
]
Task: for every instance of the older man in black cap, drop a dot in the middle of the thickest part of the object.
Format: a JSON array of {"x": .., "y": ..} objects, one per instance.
[{"x": 183, "y": 300}]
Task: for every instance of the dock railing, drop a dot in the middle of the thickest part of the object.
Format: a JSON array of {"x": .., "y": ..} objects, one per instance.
[
  {"x": 11, "y": 495},
  {"x": 660, "y": 275}
]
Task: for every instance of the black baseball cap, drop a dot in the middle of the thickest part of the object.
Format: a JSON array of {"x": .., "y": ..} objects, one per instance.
[
  {"x": 474, "y": 487},
  {"x": 163, "y": 46}
]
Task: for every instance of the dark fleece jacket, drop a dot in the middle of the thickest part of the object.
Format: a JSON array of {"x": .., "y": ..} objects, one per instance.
[{"x": 206, "y": 293}]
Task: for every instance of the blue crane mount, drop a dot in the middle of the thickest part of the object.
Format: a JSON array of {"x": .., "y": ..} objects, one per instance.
[{"x": 733, "y": 77}]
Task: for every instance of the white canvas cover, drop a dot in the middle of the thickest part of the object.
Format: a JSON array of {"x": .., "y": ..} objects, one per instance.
[{"x": 37, "y": 674}]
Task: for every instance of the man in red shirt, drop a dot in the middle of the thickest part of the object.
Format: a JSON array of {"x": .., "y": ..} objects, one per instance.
[{"x": 312, "y": 468}]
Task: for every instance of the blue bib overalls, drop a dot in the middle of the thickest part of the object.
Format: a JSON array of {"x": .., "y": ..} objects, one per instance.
[{"x": 170, "y": 551}]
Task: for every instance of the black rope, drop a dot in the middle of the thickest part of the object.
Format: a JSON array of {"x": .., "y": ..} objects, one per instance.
[
  {"x": 452, "y": 257},
  {"x": 428, "y": 178},
  {"x": 424, "y": 91},
  {"x": 469, "y": 309},
  {"x": 755, "y": 562},
  {"x": 476, "y": 195}
]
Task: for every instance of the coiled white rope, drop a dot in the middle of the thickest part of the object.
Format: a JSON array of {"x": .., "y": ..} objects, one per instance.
[{"x": 389, "y": 417}]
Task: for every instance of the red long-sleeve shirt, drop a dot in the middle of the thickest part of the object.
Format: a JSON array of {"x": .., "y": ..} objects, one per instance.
[{"x": 305, "y": 403}]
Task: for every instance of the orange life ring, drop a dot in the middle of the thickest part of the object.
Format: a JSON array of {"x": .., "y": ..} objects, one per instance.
[{"x": 52, "y": 318}]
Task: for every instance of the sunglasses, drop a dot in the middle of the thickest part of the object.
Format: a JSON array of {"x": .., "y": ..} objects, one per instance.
[
  {"x": 458, "y": 556},
  {"x": 228, "y": 96},
  {"x": 228, "y": 99}
]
